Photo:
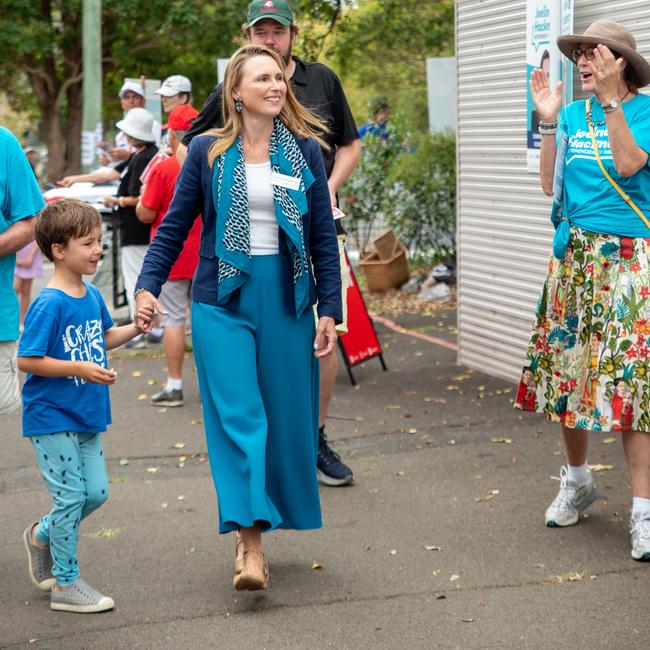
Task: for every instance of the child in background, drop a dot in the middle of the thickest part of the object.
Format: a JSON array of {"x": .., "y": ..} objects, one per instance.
[
  {"x": 65, "y": 399},
  {"x": 28, "y": 268}
]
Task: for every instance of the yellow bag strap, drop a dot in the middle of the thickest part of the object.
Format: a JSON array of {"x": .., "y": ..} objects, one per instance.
[{"x": 614, "y": 184}]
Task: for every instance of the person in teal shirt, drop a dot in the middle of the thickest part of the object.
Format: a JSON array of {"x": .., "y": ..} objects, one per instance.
[
  {"x": 20, "y": 202},
  {"x": 589, "y": 352}
]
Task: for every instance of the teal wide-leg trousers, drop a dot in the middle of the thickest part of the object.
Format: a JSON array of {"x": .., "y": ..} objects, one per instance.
[{"x": 259, "y": 388}]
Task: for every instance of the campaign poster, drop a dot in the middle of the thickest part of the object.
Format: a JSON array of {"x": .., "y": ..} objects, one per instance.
[{"x": 544, "y": 25}]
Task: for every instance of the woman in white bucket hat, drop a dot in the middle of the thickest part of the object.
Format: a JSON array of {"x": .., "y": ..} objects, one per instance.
[
  {"x": 589, "y": 355},
  {"x": 138, "y": 125}
]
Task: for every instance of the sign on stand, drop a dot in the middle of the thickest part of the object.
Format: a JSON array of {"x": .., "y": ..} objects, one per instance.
[{"x": 360, "y": 342}]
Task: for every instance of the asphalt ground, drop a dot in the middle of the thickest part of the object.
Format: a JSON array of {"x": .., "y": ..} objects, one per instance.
[{"x": 440, "y": 542}]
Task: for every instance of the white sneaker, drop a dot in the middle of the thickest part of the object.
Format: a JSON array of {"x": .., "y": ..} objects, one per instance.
[
  {"x": 571, "y": 500},
  {"x": 640, "y": 536}
]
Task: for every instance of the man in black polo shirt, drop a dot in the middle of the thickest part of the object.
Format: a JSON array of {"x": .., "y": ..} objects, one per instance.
[{"x": 270, "y": 23}]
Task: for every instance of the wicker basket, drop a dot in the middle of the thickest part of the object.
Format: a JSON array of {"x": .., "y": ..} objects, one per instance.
[
  {"x": 386, "y": 246},
  {"x": 385, "y": 274}
]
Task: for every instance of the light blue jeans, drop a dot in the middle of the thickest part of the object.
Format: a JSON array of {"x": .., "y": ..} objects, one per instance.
[{"x": 73, "y": 467}]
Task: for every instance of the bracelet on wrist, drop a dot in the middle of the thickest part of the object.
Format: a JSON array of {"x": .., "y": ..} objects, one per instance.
[
  {"x": 547, "y": 129},
  {"x": 140, "y": 290}
]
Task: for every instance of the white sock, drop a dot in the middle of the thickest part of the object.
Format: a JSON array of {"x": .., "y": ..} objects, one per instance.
[
  {"x": 174, "y": 384},
  {"x": 157, "y": 331},
  {"x": 580, "y": 474},
  {"x": 640, "y": 506}
]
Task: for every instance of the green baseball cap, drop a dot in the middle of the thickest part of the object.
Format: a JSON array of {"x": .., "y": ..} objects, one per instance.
[{"x": 277, "y": 10}]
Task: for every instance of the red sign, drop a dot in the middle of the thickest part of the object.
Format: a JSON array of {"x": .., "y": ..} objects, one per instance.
[{"x": 360, "y": 342}]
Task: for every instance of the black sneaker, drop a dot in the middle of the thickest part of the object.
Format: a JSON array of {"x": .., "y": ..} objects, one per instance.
[
  {"x": 331, "y": 471},
  {"x": 167, "y": 397},
  {"x": 152, "y": 338}
]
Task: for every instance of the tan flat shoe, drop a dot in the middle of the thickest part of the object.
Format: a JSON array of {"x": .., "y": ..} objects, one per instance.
[
  {"x": 252, "y": 577},
  {"x": 239, "y": 554}
]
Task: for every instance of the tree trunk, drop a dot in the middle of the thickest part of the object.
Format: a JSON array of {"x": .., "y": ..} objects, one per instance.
[
  {"x": 54, "y": 142},
  {"x": 73, "y": 130}
]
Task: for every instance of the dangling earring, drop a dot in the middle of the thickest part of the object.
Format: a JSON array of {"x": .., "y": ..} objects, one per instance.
[{"x": 238, "y": 105}]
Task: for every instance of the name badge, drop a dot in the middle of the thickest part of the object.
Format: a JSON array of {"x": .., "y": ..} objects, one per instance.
[{"x": 282, "y": 180}]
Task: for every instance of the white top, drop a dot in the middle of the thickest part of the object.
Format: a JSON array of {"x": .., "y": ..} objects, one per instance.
[{"x": 261, "y": 209}]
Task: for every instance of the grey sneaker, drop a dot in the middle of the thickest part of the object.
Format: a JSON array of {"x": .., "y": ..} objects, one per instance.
[
  {"x": 81, "y": 598},
  {"x": 640, "y": 536},
  {"x": 167, "y": 397},
  {"x": 138, "y": 342},
  {"x": 39, "y": 562},
  {"x": 570, "y": 501}
]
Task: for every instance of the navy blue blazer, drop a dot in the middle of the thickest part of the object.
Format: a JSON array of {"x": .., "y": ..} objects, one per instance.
[{"x": 193, "y": 196}]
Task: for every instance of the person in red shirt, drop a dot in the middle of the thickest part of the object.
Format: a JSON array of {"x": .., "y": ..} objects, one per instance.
[{"x": 175, "y": 296}]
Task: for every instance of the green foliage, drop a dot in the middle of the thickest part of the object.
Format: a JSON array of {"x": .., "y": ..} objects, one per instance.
[
  {"x": 42, "y": 43},
  {"x": 422, "y": 196},
  {"x": 412, "y": 189},
  {"x": 380, "y": 48},
  {"x": 364, "y": 195}
]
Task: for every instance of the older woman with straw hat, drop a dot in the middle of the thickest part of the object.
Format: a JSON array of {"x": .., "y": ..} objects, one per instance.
[{"x": 589, "y": 353}]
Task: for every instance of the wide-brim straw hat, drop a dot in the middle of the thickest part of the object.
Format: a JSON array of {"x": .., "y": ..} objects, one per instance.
[
  {"x": 138, "y": 123},
  {"x": 616, "y": 37}
]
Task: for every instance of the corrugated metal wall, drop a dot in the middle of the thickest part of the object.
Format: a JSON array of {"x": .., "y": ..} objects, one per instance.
[{"x": 503, "y": 231}]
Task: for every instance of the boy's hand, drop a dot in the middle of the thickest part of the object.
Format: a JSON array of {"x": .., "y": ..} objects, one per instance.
[{"x": 95, "y": 374}]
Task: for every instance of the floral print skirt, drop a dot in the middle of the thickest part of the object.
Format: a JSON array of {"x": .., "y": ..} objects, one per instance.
[{"x": 589, "y": 354}]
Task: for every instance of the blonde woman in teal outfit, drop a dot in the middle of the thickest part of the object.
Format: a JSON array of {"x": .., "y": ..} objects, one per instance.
[{"x": 268, "y": 253}]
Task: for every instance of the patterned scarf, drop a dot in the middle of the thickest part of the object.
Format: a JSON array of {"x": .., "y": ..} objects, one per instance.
[{"x": 230, "y": 198}]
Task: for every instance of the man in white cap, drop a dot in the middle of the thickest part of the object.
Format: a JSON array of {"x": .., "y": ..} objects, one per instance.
[
  {"x": 175, "y": 91},
  {"x": 131, "y": 96}
]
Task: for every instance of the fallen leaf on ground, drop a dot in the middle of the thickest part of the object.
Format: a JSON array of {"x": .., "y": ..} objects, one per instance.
[
  {"x": 572, "y": 576},
  {"x": 136, "y": 373},
  {"x": 452, "y": 387},
  {"x": 598, "y": 467},
  {"x": 454, "y": 577},
  {"x": 451, "y": 441},
  {"x": 468, "y": 620},
  {"x": 393, "y": 551},
  {"x": 436, "y": 572},
  {"x": 505, "y": 441},
  {"x": 124, "y": 461},
  {"x": 430, "y": 547},
  {"x": 197, "y": 421},
  {"x": 118, "y": 479},
  {"x": 179, "y": 445},
  {"x": 152, "y": 382},
  {"x": 143, "y": 396},
  {"x": 164, "y": 504},
  {"x": 181, "y": 497},
  {"x": 489, "y": 496},
  {"x": 105, "y": 533},
  {"x": 316, "y": 566},
  {"x": 608, "y": 441},
  {"x": 440, "y": 596},
  {"x": 152, "y": 470}
]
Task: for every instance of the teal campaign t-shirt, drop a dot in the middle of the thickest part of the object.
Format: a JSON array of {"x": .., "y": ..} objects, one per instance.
[
  {"x": 589, "y": 201},
  {"x": 20, "y": 198}
]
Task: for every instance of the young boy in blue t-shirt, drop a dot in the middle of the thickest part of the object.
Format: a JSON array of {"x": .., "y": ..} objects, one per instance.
[{"x": 65, "y": 399}]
